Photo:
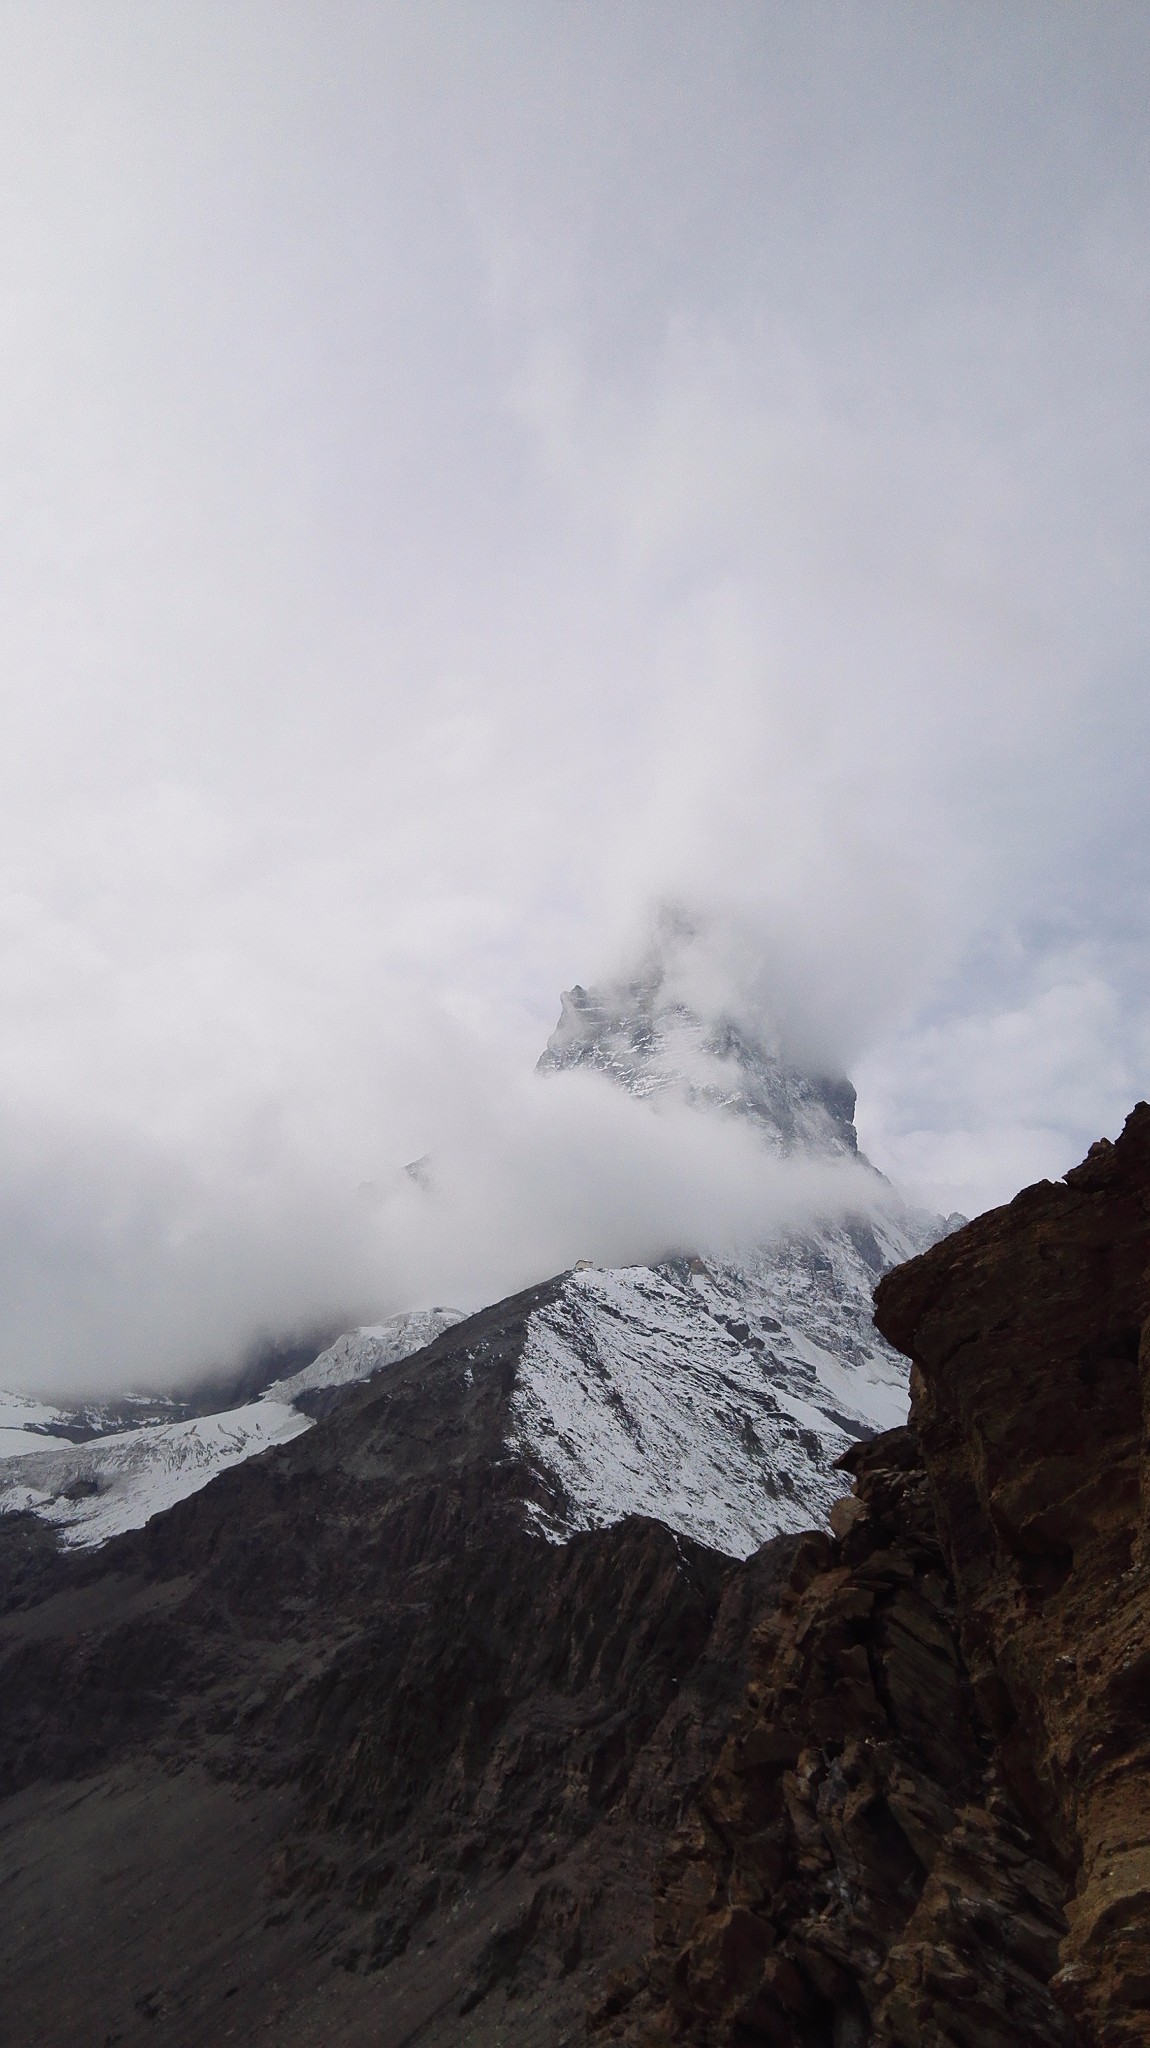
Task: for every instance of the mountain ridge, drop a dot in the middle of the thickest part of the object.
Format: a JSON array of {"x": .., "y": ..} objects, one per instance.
[{"x": 716, "y": 1390}]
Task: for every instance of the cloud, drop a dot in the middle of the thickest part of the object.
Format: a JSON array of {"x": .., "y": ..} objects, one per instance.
[
  {"x": 961, "y": 1108},
  {"x": 126, "y": 1262},
  {"x": 472, "y": 475}
]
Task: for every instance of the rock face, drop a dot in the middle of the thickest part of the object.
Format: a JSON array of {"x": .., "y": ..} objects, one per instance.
[
  {"x": 931, "y": 1819},
  {"x": 716, "y": 1393},
  {"x": 856, "y": 1870},
  {"x": 651, "y": 1044},
  {"x": 338, "y": 1749},
  {"x": 1030, "y": 1335},
  {"x": 715, "y": 1397}
]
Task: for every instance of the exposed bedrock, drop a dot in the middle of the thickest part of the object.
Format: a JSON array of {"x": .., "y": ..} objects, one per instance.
[
  {"x": 339, "y": 1750},
  {"x": 1030, "y": 1336},
  {"x": 930, "y": 1821}
]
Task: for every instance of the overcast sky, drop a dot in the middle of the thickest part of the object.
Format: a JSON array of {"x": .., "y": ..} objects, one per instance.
[{"x": 473, "y": 471}]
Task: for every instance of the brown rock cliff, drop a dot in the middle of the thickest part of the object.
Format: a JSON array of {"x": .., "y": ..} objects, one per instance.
[
  {"x": 931, "y": 1819},
  {"x": 1031, "y": 1347}
]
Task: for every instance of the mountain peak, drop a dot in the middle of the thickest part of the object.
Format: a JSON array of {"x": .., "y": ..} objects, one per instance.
[{"x": 652, "y": 1043}]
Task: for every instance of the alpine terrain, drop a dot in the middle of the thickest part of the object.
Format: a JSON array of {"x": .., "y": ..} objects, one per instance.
[
  {"x": 436, "y": 1723},
  {"x": 716, "y": 1392}
]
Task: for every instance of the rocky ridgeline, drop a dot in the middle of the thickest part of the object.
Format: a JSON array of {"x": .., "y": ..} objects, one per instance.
[
  {"x": 716, "y": 1393},
  {"x": 930, "y": 1822},
  {"x": 376, "y": 1758},
  {"x": 652, "y": 1044}
]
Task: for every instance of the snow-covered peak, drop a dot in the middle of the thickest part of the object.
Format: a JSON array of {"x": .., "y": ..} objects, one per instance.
[
  {"x": 359, "y": 1353},
  {"x": 716, "y": 1394},
  {"x": 651, "y": 1043}
]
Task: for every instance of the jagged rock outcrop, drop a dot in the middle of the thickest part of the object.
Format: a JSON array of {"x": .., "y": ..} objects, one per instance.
[
  {"x": 715, "y": 1392},
  {"x": 1030, "y": 1336},
  {"x": 340, "y": 1749},
  {"x": 856, "y": 1870},
  {"x": 648, "y": 1041},
  {"x": 931, "y": 1820}
]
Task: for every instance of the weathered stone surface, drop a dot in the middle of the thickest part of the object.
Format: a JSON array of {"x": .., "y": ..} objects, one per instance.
[
  {"x": 931, "y": 1820},
  {"x": 339, "y": 1750},
  {"x": 1030, "y": 1336},
  {"x": 855, "y": 1871}
]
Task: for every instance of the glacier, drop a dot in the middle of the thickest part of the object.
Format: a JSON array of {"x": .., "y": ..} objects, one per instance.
[{"x": 114, "y": 1482}]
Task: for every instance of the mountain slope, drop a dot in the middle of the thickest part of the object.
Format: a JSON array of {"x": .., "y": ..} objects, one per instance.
[
  {"x": 339, "y": 1749},
  {"x": 717, "y": 1392},
  {"x": 92, "y": 1490}
]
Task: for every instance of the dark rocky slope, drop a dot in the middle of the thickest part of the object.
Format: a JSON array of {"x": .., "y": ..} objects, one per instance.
[
  {"x": 338, "y": 1750},
  {"x": 930, "y": 1822}
]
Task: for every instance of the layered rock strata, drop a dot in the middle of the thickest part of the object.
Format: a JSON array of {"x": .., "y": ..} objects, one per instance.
[
  {"x": 1030, "y": 1336},
  {"x": 931, "y": 1820},
  {"x": 340, "y": 1750},
  {"x": 856, "y": 1870}
]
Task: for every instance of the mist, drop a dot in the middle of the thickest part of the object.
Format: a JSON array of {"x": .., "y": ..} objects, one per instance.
[
  {"x": 127, "y": 1268},
  {"x": 474, "y": 474}
]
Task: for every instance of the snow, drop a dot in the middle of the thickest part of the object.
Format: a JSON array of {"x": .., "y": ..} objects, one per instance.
[
  {"x": 140, "y": 1471},
  {"x": 636, "y": 1396},
  {"x": 714, "y": 1393},
  {"x": 18, "y": 1413},
  {"x": 359, "y": 1353},
  {"x": 655, "y": 1047},
  {"x": 14, "y": 1442},
  {"x": 119, "y": 1480}
]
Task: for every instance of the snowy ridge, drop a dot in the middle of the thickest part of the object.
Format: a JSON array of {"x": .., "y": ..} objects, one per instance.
[
  {"x": 711, "y": 1395},
  {"x": 96, "y": 1490},
  {"x": 91, "y": 1491},
  {"x": 714, "y": 1393},
  {"x": 359, "y": 1353},
  {"x": 28, "y": 1424}
]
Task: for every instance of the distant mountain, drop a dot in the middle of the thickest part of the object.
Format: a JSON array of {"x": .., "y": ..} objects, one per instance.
[
  {"x": 651, "y": 1043},
  {"x": 118, "y": 1478},
  {"x": 338, "y": 1749},
  {"x": 716, "y": 1392}
]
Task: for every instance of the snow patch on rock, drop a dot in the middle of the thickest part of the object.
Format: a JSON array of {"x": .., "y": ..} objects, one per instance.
[
  {"x": 96, "y": 1490},
  {"x": 91, "y": 1491}
]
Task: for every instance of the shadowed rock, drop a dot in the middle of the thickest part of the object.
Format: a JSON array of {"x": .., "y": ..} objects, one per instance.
[{"x": 930, "y": 1822}]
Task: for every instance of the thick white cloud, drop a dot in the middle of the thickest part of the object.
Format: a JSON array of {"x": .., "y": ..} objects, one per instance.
[{"x": 473, "y": 471}]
